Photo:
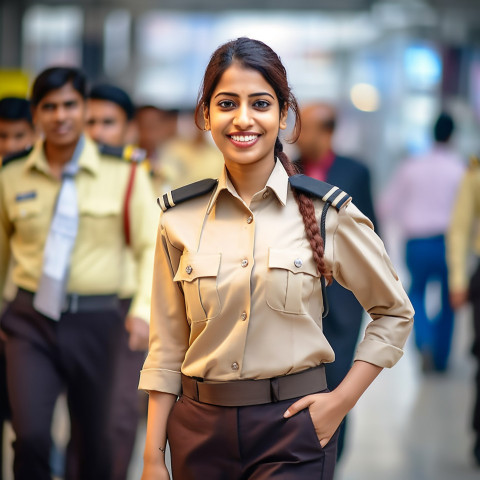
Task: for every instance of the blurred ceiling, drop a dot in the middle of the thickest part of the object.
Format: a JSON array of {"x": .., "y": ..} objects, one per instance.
[{"x": 467, "y": 6}]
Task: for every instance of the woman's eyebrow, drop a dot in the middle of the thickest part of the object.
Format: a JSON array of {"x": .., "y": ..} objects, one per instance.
[{"x": 231, "y": 94}]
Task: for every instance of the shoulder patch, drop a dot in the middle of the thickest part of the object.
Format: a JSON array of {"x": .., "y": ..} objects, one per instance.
[
  {"x": 129, "y": 153},
  {"x": 182, "y": 194},
  {"x": 328, "y": 193},
  {"x": 14, "y": 156}
]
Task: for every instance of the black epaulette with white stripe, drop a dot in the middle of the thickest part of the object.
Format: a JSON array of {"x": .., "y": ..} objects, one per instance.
[
  {"x": 129, "y": 153},
  {"x": 328, "y": 193},
  {"x": 182, "y": 194},
  {"x": 15, "y": 156}
]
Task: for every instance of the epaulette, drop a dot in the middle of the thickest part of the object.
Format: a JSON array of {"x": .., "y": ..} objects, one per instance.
[
  {"x": 182, "y": 194},
  {"x": 328, "y": 193},
  {"x": 14, "y": 156},
  {"x": 474, "y": 162},
  {"x": 129, "y": 153}
]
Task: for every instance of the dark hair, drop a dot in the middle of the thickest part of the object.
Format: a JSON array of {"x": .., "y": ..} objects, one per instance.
[
  {"x": 113, "y": 94},
  {"x": 444, "y": 127},
  {"x": 169, "y": 112},
  {"x": 15, "y": 109},
  {"x": 255, "y": 55},
  {"x": 56, "y": 77}
]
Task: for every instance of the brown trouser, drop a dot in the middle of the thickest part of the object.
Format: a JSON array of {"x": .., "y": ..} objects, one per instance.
[
  {"x": 44, "y": 357},
  {"x": 251, "y": 442}
]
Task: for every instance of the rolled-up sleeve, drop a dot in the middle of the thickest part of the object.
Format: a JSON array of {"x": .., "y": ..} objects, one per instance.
[
  {"x": 169, "y": 329},
  {"x": 361, "y": 264}
]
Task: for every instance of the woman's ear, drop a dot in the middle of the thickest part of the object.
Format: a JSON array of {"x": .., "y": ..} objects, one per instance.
[
  {"x": 283, "y": 117},
  {"x": 206, "y": 118}
]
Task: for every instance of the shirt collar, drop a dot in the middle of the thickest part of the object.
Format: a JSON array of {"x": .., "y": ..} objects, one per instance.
[
  {"x": 89, "y": 158},
  {"x": 277, "y": 183}
]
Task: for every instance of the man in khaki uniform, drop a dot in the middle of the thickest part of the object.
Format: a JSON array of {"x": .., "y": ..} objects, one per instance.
[
  {"x": 109, "y": 118},
  {"x": 65, "y": 193},
  {"x": 464, "y": 229}
]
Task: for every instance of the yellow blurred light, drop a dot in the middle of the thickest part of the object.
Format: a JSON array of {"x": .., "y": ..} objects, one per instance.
[{"x": 365, "y": 97}]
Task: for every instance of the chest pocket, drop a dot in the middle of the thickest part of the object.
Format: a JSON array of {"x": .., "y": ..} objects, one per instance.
[
  {"x": 102, "y": 220},
  {"x": 292, "y": 275},
  {"x": 28, "y": 217},
  {"x": 198, "y": 274}
]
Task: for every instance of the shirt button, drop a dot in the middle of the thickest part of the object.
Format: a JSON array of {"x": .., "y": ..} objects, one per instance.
[
  {"x": 235, "y": 366},
  {"x": 189, "y": 269},
  {"x": 250, "y": 219},
  {"x": 243, "y": 316},
  {"x": 244, "y": 263},
  {"x": 298, "y": 262}
]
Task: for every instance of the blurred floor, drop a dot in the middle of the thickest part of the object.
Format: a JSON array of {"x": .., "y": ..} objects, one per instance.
[{"x": 407, "y": 426}]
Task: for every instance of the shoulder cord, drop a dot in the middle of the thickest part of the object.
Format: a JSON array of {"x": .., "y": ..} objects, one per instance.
[
  {"x": 126, "y": 203},
  {"x": 326, "y": 307}
]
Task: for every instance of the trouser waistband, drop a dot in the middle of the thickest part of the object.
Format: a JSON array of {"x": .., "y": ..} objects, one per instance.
[{"x": 255, "y": 392}]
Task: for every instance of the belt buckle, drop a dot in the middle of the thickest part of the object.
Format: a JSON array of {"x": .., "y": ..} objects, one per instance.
[
  {"x": 274, "y": 390},
  {"x": 73, "y": 304}
]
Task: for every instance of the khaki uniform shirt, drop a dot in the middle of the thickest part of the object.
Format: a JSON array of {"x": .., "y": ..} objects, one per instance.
[
  {"x": 236, "y": 293},
  {"x": 464, "y": 230},
  {"x": 28, "y": 193}
]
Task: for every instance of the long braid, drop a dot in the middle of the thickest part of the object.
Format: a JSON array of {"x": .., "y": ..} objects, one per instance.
[{"x": 307, "y": 210}]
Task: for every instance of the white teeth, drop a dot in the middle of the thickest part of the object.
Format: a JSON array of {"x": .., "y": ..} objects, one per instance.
[{"x": 244, "y": 138}]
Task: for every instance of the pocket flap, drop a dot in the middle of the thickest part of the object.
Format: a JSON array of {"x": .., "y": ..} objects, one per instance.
[
  {"x": 296, "y": 261},
  {"x": 197, "y": 265},
  {"x": 100, "y": 208},
  {"x": 25, "y": 210}
]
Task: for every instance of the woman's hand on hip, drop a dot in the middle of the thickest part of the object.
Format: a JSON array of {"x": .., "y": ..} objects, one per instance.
[
  {"x": 327, "y": 412},
  {"x": 155, "y": 471}
]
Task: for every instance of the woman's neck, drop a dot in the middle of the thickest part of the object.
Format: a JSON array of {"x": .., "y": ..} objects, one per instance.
[{"x": 249, "y": 179}]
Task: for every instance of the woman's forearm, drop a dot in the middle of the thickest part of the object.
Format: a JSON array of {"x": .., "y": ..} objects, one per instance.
[
  {"x": 159, "y": 406},
  {"x": 357, "y": 380}
]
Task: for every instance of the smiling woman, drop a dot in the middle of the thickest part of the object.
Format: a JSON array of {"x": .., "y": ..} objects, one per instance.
[{"x": 237, "y": 299}]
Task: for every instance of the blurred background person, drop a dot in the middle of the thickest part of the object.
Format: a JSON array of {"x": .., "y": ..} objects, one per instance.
[
  {"x": 16, "y": 134},
  {"x": 16, "y": 126},
  {"x": 61, "y": 219},
  {"x": 419, "y": 198},
  {"x": 155, "y": 127},
  {"x": 318, "y": 160},
  {"x": 191, "y": 155},
  {"x": 463, "y": 239},
  {"x": 110, "y": 113}
]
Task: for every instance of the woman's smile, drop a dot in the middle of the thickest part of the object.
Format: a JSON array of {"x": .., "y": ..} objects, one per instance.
[{"x": 244, "y": 139}]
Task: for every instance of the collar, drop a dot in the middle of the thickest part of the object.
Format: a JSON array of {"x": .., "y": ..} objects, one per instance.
[
  {"x": 277, "y": 183},
  {"x": 89, "y": 158}
]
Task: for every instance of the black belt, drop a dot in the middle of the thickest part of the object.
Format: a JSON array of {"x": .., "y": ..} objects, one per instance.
[
  {"x": 79, "y": 303},
  {"x": 255, "y": 392}
]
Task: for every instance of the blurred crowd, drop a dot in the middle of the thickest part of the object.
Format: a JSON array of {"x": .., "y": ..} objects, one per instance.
[{"x": 434, "y": 199}]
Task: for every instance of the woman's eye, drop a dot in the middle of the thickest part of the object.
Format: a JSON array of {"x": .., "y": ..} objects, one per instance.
[
  {"x": 226, "y": 104},
  {"x": 261, "y": 104}
]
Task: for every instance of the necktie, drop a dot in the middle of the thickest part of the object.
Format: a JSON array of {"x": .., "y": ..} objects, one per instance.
[{"x": 50, "y": 296}]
